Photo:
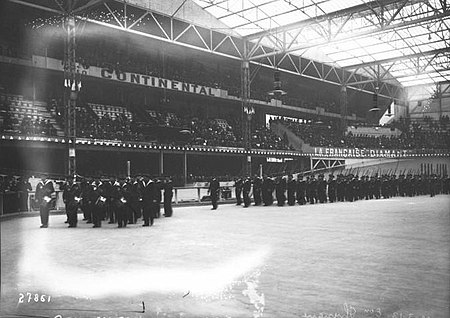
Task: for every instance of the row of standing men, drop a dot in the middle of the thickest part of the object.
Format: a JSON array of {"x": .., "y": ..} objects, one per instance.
[
  {"x": 121, "y": 201},
  {"x": 348, "y": 187}
]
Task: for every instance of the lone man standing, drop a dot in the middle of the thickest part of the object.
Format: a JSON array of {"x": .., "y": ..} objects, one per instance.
[
  {"x": 214, "y": 189},
  {"x": 44, "y": 195}
]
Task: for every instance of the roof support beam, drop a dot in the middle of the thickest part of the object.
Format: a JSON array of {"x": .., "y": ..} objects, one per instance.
[
  {"x": 361, "y": 34},
  {"x": 36, "y": 6},
  {"x": 397, "y": 58},
  {"x": 341, "y": 13},
  {"x": 221, "y": 44}
]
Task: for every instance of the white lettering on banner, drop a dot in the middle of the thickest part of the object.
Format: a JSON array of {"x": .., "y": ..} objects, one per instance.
[
  {"x": 131, "y": 78},
  {"x": 152, "y": 81},
  {"x": 361, "y": 153}
]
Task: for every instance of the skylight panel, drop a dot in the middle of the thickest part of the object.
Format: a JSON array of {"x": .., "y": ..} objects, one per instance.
[
  {"x": 217, "y": 11},
  {"x": 332, "y": 6},
  {"x": 234, "y": 20},
  {"x": 290, "y": 17}
]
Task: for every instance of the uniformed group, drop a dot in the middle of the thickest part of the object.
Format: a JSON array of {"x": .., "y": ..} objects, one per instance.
[
  {"x": 345, "y": 187},
  {"x": 121, "y": 201}
]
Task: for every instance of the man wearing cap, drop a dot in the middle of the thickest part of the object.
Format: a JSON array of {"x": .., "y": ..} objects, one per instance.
[
  {"x": 168, "y": 194},
  {"x": 98, "y": 196},
  {"x": 291, "y": 189},
  {"x": 301, "y": 190},
  {"x": 67, "y": 184},
  {"x": 331, "y": 188},
  {"x": 246, "y": 189},
  {"x": 45, "y": 193},
  {"x": 148, "y": 197},
  {"x": 257, "y": 185},
  {"x": 73, "y": 198},
  {"x": 213, "y": 190},
  {"x": 321, "y": 189},
  {"x": 238, "y": 184}
]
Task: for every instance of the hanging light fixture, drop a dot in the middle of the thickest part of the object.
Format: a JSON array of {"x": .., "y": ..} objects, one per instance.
[
  {"x": 277, "y": 90},
  {"x": 375, "y": 101}
]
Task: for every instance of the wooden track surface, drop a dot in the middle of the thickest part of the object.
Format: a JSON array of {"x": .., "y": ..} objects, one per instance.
[{"x": 378, "y": 258}]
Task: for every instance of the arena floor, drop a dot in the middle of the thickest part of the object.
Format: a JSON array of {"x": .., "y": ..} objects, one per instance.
[{"x": 385, "y": 258}]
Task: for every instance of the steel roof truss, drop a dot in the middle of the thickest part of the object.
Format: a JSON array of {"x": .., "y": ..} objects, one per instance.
[
  {"x": 113, "y": 14},
  {"x": 159, "y": 25}
]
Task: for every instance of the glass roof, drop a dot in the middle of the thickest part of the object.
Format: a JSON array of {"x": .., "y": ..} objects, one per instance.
[{"x": 415, "y": 51}]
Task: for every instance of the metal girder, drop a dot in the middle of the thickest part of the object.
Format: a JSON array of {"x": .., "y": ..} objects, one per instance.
[
  {"x": 177, "y": 31},
  {"x": 291, "y": 41},
  {"x": 397, "y": 58},
  {"x": 366, "y": 7},
  {"x": 36, "y": 6},
  {"x": 71, "y": 81},
  {"x": 88, "y": 5},
  {"x": 169, "y": 29}
]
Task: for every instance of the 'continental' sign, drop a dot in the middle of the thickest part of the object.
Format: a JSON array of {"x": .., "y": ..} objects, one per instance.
[
  {"x": 158, "y": 82},
  {"x": 359, "y": 152},
  {"x": 130, "y": 78}
]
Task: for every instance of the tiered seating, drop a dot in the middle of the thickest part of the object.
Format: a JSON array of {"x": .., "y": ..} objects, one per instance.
[
  {"x": 27, "y": 117},
  {"x": 112, "y": 111},
  {"x": 327, "y": 135}
]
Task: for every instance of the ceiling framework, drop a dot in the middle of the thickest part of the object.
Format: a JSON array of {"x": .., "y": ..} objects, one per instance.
[
  {"x": 382, "y": 45},
  {"x": 349, "y": 33}
]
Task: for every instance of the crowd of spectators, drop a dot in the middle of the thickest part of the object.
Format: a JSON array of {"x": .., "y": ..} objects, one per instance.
[
  {"x": 264, "y": 138},
  {"x": 36, "y": 127},
  {"x": 414, "y": 135},
  {"x": 120, "y": 128},
  {"x": 10, "y": 122}
]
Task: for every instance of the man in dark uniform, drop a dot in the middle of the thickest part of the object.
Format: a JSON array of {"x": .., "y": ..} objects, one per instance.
[
  {"x": 157, "y": 206},
  {"x": 331, "y": 188},
  {"x": 433, "y": 185},
  {"x": 446, "y": 184},
  {"x": 401, "y": 185},
  {"x": 136, "y": 199},
  {"x": 23, "y": 187},
  {"x": 99, "y": 199},
  {"x": 385, "y": 187},
  {"x": 267, "y": 191},
  {"x": 301, "y": 190},
  {"x": 377, "y": 187},
  {"x": 280, "y": 189},
  {"x": 214, "y": 192},
  {"x": 257, "y": 188},
  {"x": 340, "y": 188},
  {"x": 168, "y": 194},
  {"x": 246, "y": 189},
  {"x": 132, "y": 199},
  {"x": 86, "y": 204},
  {"x": 150, "y": 199},
  {"x": 44, "y": 195},
  {"x": 291, "y": 189},
  {"x": 311, "y": 189},
  {"x": 146, "y": 200},
  {"x": 67, "y": 184},
  {"x": 238, "y": 183},
  {"x": 115, "y": 204},
  {"x": 322, "y": 189},
  {"x": 73, "y": 199},
  {"x": 110, "y": 208},
  {"x": 123, "y": 209},
  {"x": 365, "y": 187}
]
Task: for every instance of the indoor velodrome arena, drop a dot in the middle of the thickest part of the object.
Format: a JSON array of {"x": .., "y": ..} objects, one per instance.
[{"x": 225, "y": 158}]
